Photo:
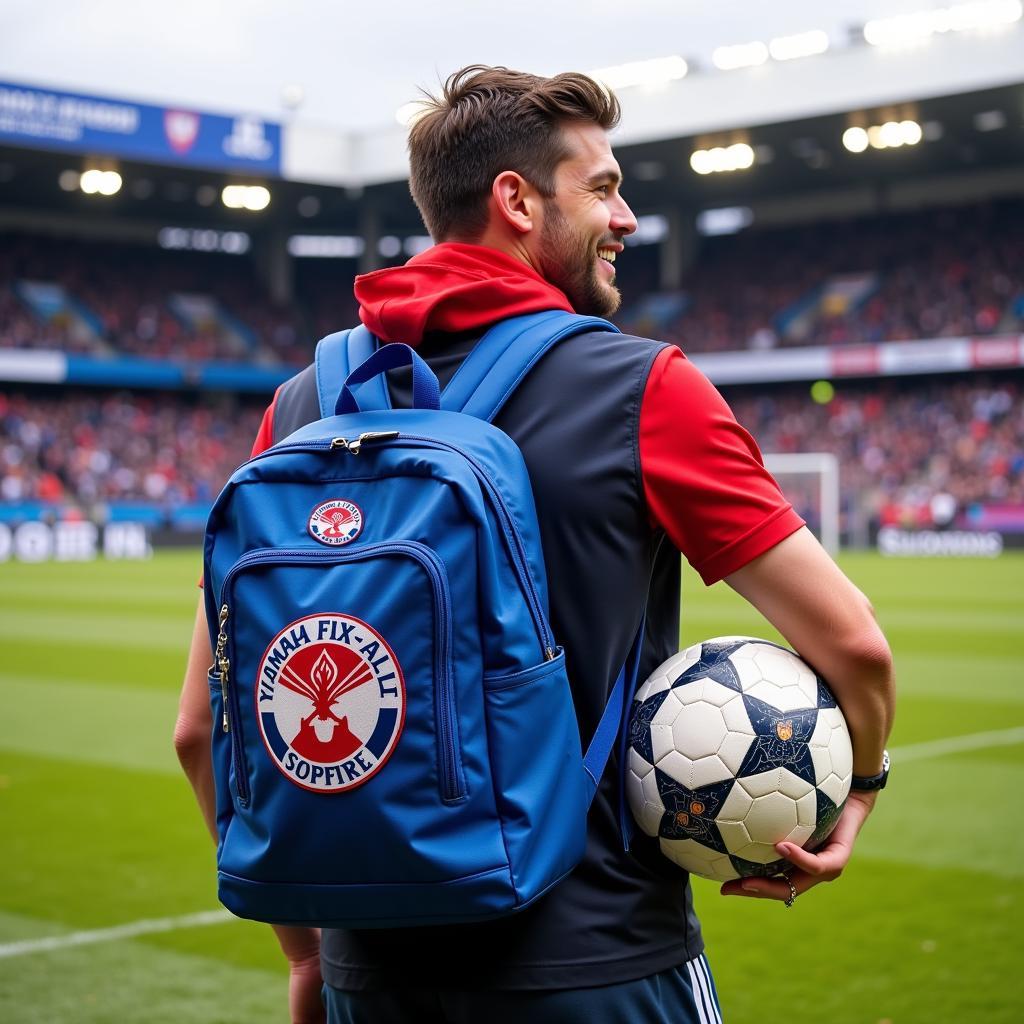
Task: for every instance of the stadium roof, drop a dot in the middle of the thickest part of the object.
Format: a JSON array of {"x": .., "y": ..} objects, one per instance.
[
  {"x": 334, "y": 71},
  {"x": 357, "y": 63},
  {"x": 966, "y": 90}
]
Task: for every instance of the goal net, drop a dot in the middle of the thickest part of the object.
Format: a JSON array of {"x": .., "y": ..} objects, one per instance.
[{"x": 810, "y": 481}]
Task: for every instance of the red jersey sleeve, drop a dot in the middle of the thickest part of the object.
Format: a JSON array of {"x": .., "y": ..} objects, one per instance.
[
  {"x": 703, "y": 475},
  {"x": 265, "y": 435}
]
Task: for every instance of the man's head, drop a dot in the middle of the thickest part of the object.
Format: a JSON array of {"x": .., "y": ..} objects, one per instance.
[{"x": 522, "y": 163}]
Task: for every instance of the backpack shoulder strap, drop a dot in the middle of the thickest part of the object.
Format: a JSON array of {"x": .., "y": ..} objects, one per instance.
[
  {"x": 483, "y": 384},
  {"x": 506, "y": 354},
  {"x": 337, "y": 355}
]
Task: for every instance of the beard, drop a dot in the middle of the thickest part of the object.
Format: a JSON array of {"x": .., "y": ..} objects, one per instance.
[{"x": 569, "y": 261}]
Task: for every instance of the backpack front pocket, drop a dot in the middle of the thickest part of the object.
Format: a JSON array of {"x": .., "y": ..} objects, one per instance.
[{"x": 326, "y": 702}]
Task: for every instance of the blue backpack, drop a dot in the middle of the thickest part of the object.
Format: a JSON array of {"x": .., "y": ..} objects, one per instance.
[{"x": 394, "y": 738}]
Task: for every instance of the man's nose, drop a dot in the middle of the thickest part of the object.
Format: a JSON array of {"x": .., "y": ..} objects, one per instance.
[{"x": 623, "y": 222}]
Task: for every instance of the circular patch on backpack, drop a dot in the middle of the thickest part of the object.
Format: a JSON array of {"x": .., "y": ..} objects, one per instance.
[
  {"x": 330, "y": 700},
  {"x": 334, "y": 522}
]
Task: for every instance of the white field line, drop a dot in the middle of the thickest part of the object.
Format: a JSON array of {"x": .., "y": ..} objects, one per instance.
[
  {"x": 957, "y": 744},
  {"x": 121, "y": 931},
  {"x": 901, "y": 755}
]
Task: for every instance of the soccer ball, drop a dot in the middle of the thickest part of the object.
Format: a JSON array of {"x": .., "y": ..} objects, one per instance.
[{"x": 735, "y": 744}]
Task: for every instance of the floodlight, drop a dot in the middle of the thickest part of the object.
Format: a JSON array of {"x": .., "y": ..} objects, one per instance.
[
  {"x": 741, "y": 55},
  {"x": 654, "y": 72},
  {"x": 246, "y": 197},
  {"x": 110, "y": 183},
  {"x": 257, "y": 197},
  {"x": 855, "y": 139},
  {"x": 233, "y": 197},
  {"x": 97, "y": 182},
  {"x": 737, "y": 157},
  {"x": 804, "y": 44},
  {"x": 700, "y": 161},
  {"x": 919, "y": 26},
  {"x": 890, "y": 135},
  {"x": 912, "y": 133}
]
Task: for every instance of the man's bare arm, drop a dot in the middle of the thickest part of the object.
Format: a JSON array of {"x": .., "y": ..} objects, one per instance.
[
  {"x": 301, "y": 946},
  {"x": 831, "y": 624},
  {"x": 194, "y": 724}
]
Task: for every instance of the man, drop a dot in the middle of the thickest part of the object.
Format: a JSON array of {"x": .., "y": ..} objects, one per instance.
[{"x": 633, "y": 457}]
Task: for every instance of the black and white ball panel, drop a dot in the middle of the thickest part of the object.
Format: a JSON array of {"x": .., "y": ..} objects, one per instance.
[{"x": 735, "y": 744}]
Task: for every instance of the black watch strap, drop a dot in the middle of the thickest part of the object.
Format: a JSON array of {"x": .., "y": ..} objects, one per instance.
[{"x": 870, "y": 783}]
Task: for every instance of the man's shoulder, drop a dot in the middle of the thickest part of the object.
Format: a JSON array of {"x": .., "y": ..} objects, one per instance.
[
  {"x": 608, "y": 353},
  {"x": 632, "y": 342}
]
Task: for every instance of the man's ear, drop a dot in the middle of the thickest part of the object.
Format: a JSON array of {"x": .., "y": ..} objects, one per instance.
[{"x": 516, "y": 201}]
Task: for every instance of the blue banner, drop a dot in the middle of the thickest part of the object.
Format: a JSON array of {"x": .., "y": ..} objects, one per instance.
[
  {"x": 43, "y": 118},
  {"x": 139, "y": 372}
]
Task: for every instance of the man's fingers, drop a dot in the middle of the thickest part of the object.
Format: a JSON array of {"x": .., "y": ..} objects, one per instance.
[
  {"x": 827, "y": 862},
  {"x": 809, "y": 862},
  {"x": 766, "y": 888},
  {"x": 810, "y": 869}
]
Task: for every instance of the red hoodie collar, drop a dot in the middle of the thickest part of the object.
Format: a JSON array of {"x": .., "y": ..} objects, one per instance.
[{"x": 451, "y": 287}]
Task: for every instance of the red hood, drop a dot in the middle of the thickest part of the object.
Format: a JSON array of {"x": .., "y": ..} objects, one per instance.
[{"x": 451, "y": 287}]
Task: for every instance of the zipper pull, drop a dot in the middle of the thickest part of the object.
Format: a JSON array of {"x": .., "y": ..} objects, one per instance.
[
  {"x": 370, "y": 437},
  {"x": 223, "y": 665},
  {"x": 549, "y": 654}
]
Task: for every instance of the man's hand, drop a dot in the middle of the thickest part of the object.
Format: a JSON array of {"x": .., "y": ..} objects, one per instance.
[{"x": 825, "y": 865}]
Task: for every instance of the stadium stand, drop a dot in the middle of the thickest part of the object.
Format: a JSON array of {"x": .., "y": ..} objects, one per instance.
[
  {"x": 97, "y": 452},
  {"x": 911, "y": 454},
  {"x": 927, "y": 274},
  {"x": 917, "y": 453},
  {"x": 103, "y": 298}
]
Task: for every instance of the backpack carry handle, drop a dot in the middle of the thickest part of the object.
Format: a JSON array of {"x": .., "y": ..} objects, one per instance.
[
  {"x": 426, "y": 392},
  {"x": 337, "y": 356}
]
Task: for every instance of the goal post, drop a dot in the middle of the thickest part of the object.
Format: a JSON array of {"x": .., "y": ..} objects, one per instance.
[{"x": 810, "y": 480}]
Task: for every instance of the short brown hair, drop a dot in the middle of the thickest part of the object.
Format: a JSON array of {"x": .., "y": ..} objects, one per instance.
[{"x": 488, "y": 120}]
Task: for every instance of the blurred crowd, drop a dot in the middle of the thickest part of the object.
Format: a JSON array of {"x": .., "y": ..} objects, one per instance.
[
  {"x": 918, "y": 453},
  {"x": 86, "y": 449},
  {"x": 933, "y": 273},
  {"x": 938, "y": 273},
  {"x": 121, "y": 301},
  {"x": 913, "y": 453}
]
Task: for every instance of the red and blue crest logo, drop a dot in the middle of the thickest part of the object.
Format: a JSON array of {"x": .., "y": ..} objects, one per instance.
[
  {"x": 336, "y": 522},
  {"x": 181, "y": 128},
  {"x": 330, "y": 700}
]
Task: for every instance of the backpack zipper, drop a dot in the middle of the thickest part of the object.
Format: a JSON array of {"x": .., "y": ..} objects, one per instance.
[
  {"x": 223, "y": 665},
  {"x": 513, "y": 538},
  {"x": 371, "y": 437},
  {"x": 453, "y": 783}
]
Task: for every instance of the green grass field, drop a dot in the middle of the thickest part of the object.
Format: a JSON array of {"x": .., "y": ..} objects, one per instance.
[{"x": 98, "y": 828}]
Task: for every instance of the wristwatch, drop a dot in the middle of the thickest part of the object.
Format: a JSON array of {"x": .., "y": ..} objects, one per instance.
[{"x": 870, "y": 783}]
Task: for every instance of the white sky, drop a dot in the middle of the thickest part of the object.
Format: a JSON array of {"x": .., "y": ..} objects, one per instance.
[{"x": 356, "y": 64}]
